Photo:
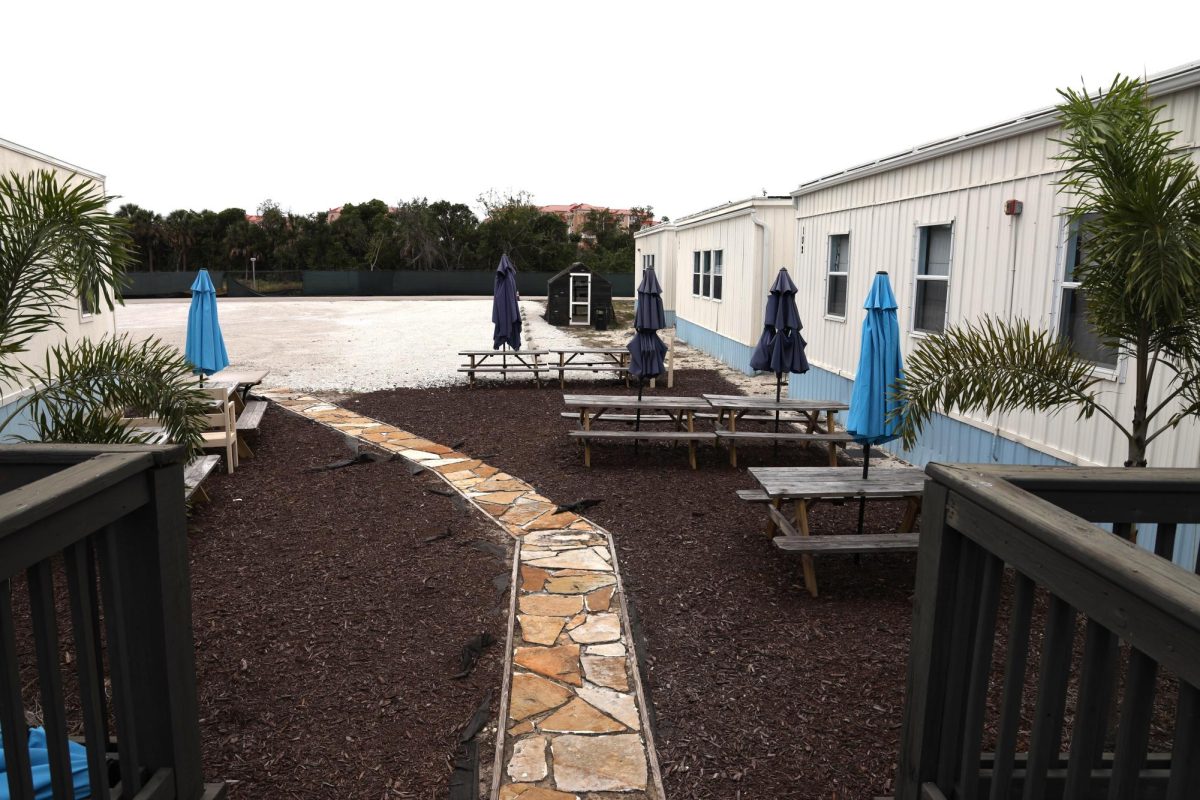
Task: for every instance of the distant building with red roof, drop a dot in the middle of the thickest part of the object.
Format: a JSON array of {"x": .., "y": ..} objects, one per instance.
[{"x": 575, "y": 215}]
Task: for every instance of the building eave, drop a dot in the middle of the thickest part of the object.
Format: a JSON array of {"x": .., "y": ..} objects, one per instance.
[
  {"x": 1164, "y": 83},
  {"x": 57, "y": 162}
]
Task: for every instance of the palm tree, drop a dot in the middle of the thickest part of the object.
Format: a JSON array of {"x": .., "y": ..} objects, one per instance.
[
  {"x": 57, "y": 242},
  {"x": 145, "y": 227},
  {"x": 1137, "y": 205},
  {"x": 179, "y": 228}
]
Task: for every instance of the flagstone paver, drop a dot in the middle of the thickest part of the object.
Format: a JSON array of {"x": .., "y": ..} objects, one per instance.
[{"x": 573, "y": 712}]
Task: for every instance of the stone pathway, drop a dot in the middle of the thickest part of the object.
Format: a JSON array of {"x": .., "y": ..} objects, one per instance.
[{"x": 573, "y": 714}]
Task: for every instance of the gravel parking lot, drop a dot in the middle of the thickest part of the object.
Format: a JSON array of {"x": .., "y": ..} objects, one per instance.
[{"x": 346, "y": 345}]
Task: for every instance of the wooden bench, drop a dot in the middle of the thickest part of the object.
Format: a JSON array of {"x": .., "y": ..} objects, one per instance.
[
  {"x": 753, "y": 496},
  {"x": 623, "y": 417},
  {"x": 691, "y": 437},
  {"x": 248, "y": 422},
  {"x": 194, "y": 474},
  {"x": 853, "y": 543},
  {"x": 832, "y": 440}
]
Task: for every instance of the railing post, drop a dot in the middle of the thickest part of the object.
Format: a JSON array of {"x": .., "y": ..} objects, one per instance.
[
  {"x": 149, "y": 550},
  {"x": 929, "y": 654}
]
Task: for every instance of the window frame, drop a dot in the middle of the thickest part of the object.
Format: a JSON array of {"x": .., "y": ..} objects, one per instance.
[
  {"x": 707, "y": 266},
  {"x": 919, "y": 260},
  {"x": 696, "y": 274},
  {"x": 86, "y": 315},
  {"x": 844, "y": 275},
  {"x": 718, "y": 273},
  {"x": 647, "y": 261},
  {"x": 1067, "y": 250}
]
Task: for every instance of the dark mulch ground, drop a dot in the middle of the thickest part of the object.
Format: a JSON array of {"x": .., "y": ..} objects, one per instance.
[
  {"x": 759, "y": 690},
  {"x": 327, "y": 632}
]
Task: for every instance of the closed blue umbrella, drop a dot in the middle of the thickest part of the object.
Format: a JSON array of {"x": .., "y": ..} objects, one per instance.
[
  {"x": 646, "y": 350},
  {"x": 780, "y": 349},
  {"x": 879, "y": 367},
  {"x": 506, "y": 313},
  {"x": 205, "y": 348}
]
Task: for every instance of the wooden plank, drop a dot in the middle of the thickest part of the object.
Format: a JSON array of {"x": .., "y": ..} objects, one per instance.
[
  {"x": 631, "y": 402},
  {"x": 1133, "y": 734},
  {"x": 937, "y": 596},
  {"x": 1185, "y": 755},
  {"x": 652, "y": 418},
  {"x": 81, "y": 587},
  {"x": 786, "y": 436},
  {"x": 644, "y": 435},
  {"x": 1090, "y": 727},
  {"x": 769, "y": 403},
  {"x": 114, "y": 585},
  {"x": 960, "y": 648},
  {"x": 1051, "y": 696},
  {"x": 506, "y": 370},
  {"x": 753, "y": 495},
  {"x": 504, "y": 352},
  {"x": 12, "y": 710},
  {"x": 848, "y": 543},
  {"x": 251, "y": 416},
  {"x": 784, "y": 524},
  {"x": 1016, "y": 661},
  {"x": 45, "y": 639},
  {"x": 980, "y": 677}
]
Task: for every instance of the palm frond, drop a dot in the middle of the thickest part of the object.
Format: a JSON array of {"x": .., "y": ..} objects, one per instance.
[
  {"x": 84, "y": 389},
  {"x": 991, "y": 366},
  {"x": 56, "y": 241}
]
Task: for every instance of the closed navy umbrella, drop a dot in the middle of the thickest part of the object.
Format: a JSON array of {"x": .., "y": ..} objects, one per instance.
[
  {"x": 880, "y": 365},
  {"x": 506, "y": 313},
  {"x": 780, "y": 349},
  {"x": 646, "y": 350}
]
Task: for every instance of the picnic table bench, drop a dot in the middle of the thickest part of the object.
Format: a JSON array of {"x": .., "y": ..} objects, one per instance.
[
  {"x": 194, "y": 474},
  {"x": 730, "y": 409},
  {"x": 807, "y": 486},
  {"x": 681, "y": 411},
  {"x": 241, "y": 381},
  {"x": 542, "y": 363}
]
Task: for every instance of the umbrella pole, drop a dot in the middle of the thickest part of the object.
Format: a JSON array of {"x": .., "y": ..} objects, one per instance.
[
  {"x": 504, "y": 361},
  {"x": 778, "y": 388},
  {"x": 862, "y": 501},
  {"x": 637, "y": 425}
]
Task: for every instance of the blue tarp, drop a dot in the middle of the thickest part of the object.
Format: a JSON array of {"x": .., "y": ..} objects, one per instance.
[
  {"x": 879, "y": 367},
  {"x": 780, "y": 349},
  {"x": 646, "y": 350},
  {"x": 506, "y": 312},
  {"x": 39, "y": 758},
  {"x": 205, "y": 348}
]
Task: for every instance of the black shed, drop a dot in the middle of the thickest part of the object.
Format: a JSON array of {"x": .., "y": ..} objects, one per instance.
[{"x": 578, "y": 296}]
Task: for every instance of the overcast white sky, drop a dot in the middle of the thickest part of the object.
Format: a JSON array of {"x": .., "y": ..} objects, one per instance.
[{"x": 676, "y": 105}]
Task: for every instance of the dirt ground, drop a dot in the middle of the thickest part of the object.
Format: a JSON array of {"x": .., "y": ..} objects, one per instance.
[{"x": 330, "y": 610}]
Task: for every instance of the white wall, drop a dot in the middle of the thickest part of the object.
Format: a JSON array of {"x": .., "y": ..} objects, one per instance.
[
  {"x": 994, "y": 256},
  {"x": 750, "y": 263},
  {"x": 76, "y": 324},
  {"x": 659, "y": 242}
]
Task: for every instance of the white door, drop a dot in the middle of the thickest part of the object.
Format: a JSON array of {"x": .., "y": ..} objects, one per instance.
[{"x": 581, "y": 298}]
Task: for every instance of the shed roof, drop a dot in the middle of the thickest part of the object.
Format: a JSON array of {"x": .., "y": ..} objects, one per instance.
[
  {"x": 578, "y": 266},
  {"x": 1172, "y": 80}
]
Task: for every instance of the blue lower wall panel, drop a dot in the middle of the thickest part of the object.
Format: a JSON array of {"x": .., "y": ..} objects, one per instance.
[
  {"x": 722, "y": 348},
  {"x": 669, "y": 314},
  {"x": 949, "y": 441},
  {"x": 19, "y": 429}
]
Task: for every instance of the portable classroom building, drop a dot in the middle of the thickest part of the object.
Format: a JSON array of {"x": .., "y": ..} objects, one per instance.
[
  {"x": 578, "y": 296},
  {"x": 77, "y": 320},
  {"x": 655, "y": 247},
  {"x": 725, "y": 259}
]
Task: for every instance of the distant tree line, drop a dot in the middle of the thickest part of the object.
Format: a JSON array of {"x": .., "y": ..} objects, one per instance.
[{"x": 417, "y": 235}]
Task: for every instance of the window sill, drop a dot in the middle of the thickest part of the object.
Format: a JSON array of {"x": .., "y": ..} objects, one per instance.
[
  {"x": 924, "y": 334},
  {"x": 1110, "y": 374},
  {"x": 834, "y": 318}
]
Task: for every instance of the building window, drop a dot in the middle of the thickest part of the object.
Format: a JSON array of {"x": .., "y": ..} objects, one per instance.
[
  {"x": 933, "y": 278},
  {"x": 839, "y": 268},
  {"x": 647, "y": 262},
  {"x": 89, "y": 301},
  {"x": 708, "y": 273},
  {"x": 1073, "y": 324}
]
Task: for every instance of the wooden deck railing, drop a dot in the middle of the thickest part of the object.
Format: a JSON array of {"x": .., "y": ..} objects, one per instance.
[
  {"x": 1022, "y": 538},
  {"x": 111, "y": 521}
]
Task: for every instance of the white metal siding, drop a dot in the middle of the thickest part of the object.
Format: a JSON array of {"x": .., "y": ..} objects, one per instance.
[
  {"x": 660, "y": 243},
  {"x": 990, "y": 259}
]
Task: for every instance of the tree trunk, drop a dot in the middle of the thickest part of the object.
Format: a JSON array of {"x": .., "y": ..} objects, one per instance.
[{"x": 1141, "y": 425}]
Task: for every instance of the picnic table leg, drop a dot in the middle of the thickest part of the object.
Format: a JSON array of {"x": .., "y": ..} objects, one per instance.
[
  {"x": 587, "y": 443},
  {"x": 691, "y": 442},
  {"x": 775, "y": 503},
  {"x": 733, "y": 442},
  {"x": 911, "y": 510},
  {"x": 562, "y": 383},
  {"x": 471, "y": 373},
  {"x": 244, "y": 450},
  {"x": 810, "y": 572}
]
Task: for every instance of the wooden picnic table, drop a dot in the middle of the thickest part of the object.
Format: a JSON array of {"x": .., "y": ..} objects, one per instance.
[
  {"x": 539, "y": 362},
  {"x": 806, "y": 486},
  {"x": 680, "y": 411},
  {"x": 593, "y": 359},
  {"x": 731, "y": 408},
  {"x": 241, "y": 381}
]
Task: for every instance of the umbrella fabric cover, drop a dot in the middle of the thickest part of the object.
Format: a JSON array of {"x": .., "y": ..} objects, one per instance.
[
  {"x": 879, "y": 367},
  {"x": 646, "y": 350},
  {"x": 506, "y": 314},
  {"x": 39, "y": 759},
  {"x": 780, "y": 349},
  {"x": 205, "y": 348}
]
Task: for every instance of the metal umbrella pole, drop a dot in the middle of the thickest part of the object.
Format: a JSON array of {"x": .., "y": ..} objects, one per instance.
[
  {"x": 778, "y": 389},
  {"x": 637, "y": 423},
  {"x": 862, "y": 501}
]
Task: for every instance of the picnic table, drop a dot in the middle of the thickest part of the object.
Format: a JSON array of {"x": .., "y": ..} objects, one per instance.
[
  {"x": 545, "y": 362},
  {"x": 807, "y": 486},
  {"x": 732, "y": 408},
  {"x": 677, "y": 411},
  {"x": 240, "y": 380}
]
